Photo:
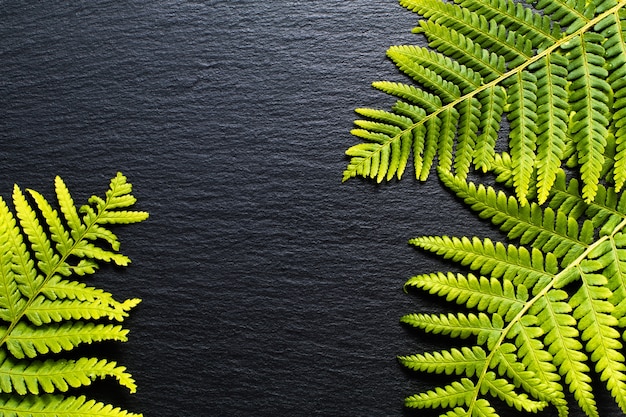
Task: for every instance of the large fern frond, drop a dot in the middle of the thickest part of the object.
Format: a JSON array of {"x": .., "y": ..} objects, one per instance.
[
  {"x": 561, "y": 90},
  {"x": 544, "y": 307},
  {"x": 44, "y": 310}
]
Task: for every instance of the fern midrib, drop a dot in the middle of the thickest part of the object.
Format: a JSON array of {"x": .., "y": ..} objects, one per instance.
[
  {"x": 504, "y": 76},
  {"x": 523, "y": 311},
  {"x": 52, "y": 273}
]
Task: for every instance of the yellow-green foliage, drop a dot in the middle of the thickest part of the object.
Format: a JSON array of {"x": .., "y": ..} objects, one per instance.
[
  {"x": 45, "y": 309},
  {"x": 555, "y": 71},
  {"x": 543, "y": 311}
]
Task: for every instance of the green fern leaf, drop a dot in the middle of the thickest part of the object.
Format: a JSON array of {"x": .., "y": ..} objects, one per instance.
[
  {"x": 23, "y": 377},
  {"x": 483, "y": 47},
  {"x": 492, "y": 101},
  {"x": 457, "y": 393},
  {"x": 552, "y": 120},
  {"x": 459, "y": 362},
  {"x": 29, "y": 341},
  {"x": 551, "y": 328},
  {"x": 43, "y": 312},
  {"x": 589, "y": 102},
  {"x": 545, "y": 309},
  {"x": 58, "y": 406}
]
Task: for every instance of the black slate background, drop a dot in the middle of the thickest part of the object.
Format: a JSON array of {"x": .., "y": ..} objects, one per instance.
[{"x": 268, "y": 287}]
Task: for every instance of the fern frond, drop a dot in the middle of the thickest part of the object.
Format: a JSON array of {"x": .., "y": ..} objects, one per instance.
[
  {"x": 613, "y": 30},
  {"x": 505, "y": 391},
  {"x": 58, "y": 234},
  {"x": 39, "y": 242},
  {"x": 430, "y": 78},
  {"x": 523, "y": 140},
  {"x": 561, "y": 339},
  {"x": 466, "y": 136},
  {"x": 615, "y": 271},
  {"x": 464, "y": 50},
  {"x": 596, "y": 321},
  {"x": 418, "y": 97},
  {"x": 11, "y": 301},
  {"x": 515, "y": 16},
  {"x": 485, "y": 328},
  {"x": 43, "y": 312},
  {"x": 521, "y": 296},
  {"x": 573, "y": 14},
  {"x": 531, "y": 352},
  {"x": 545, "y": 309},
  {"x": 512, "y": 47},
  {"x": 550, "y": 74},
  {"x": 542, "y": 382},
  {"x": 59, "y": 288},
  {"x": 465, "y": 78}
]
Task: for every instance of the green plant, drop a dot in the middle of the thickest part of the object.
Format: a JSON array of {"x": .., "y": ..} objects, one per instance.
[
  {"x": 547, "y": 305},
  {"x": 44, "y": 311}
]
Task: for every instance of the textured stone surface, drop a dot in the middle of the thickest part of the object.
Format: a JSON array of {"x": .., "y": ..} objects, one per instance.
[{"x": 269, "y": 288}]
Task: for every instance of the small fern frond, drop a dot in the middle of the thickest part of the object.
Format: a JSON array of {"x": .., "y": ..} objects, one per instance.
[
  {"x": 466, "y": 361},
  {"x": 457, "y": 393},
  {"x": 596, "y": 320},
  {"x": 44, "y": 312},
  {"x": 23, "y": 377},
  {"x": 29, "y": 341},
  {"x": 589, "y": 102},
  {"x": 492, "y": 102},
  {"x": 524, "y": 21},
  {"x": 572, "y": 14},
  {"x": 473, "y": 292},
  {"x": 505, "y": 391},
  {"x": 450, "y": 70},
  {"x": 461, "y": 325},
  {"x": 552, "y": 120},
  {"x": 523, "y": 140},
  {"x": 613, "y": 30}
]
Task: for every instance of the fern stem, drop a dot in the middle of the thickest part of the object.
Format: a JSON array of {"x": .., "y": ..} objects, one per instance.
[{"x": 529, "y": 304}]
